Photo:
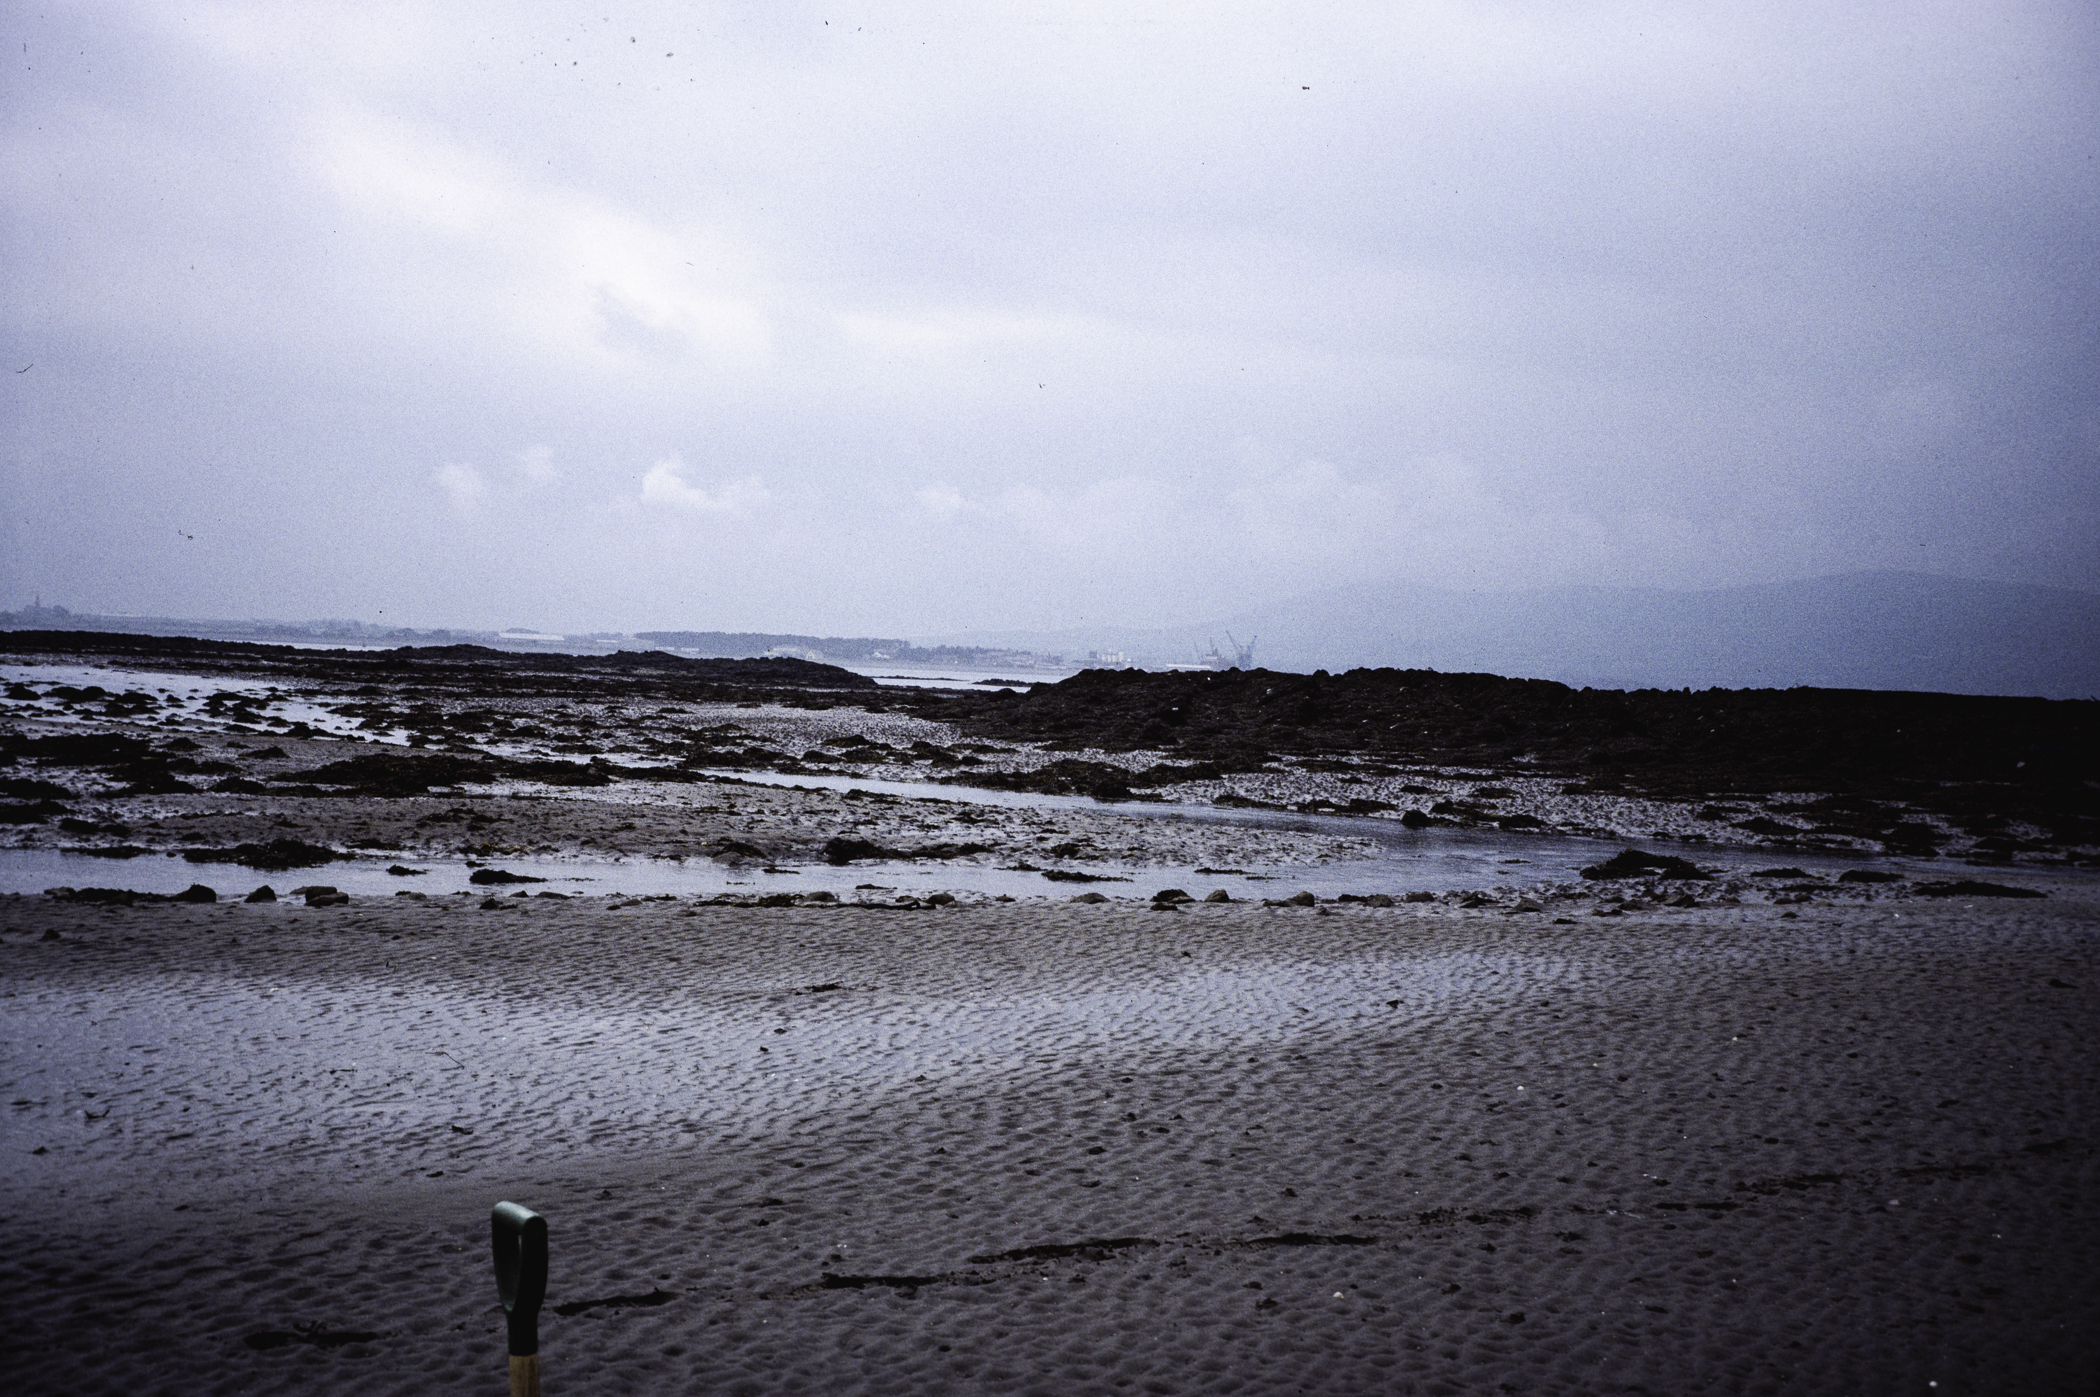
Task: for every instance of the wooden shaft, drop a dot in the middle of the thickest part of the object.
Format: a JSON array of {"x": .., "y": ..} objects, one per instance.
[{"x": 525, "y": 1375}]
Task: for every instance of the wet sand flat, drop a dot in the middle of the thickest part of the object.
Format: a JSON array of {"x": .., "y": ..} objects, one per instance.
[{"x": 1055, "y": 1148}]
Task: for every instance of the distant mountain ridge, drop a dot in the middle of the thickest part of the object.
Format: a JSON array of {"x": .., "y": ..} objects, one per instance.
[
  {"x": 1857, "y": 631},
  {"x": 1875, "y": 630}
]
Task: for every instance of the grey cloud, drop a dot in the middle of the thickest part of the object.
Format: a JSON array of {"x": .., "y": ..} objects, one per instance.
[{"x": 950, "y": 318}]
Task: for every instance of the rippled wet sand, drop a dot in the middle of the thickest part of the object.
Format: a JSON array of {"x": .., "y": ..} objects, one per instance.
[{"x": 1053, "y": 1147}]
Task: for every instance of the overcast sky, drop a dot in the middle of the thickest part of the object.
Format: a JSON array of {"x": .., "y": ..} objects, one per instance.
[{"x": 910, "y": 318}]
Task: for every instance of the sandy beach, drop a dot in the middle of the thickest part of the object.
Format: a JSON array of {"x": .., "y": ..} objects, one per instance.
[
  {"x": 832, "y": 1075},
  {"x": 1046, "y": 1147}
]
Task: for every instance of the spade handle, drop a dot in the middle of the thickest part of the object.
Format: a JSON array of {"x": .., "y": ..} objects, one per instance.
[{"x": 519, "y": 1238}]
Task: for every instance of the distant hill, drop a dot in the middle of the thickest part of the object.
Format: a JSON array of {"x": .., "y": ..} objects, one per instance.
[
  {"x": 1860, "y": 631},
  {"x": 467, "y": 665},
  {"x": 1878, "y": 630}
]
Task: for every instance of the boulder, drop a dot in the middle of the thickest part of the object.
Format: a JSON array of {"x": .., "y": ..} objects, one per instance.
[
  {"x": 1913, "y": 837},
  {"x": 1633, "y": 863},
  {"x": 840, "y": 850},
  {"x": 99, "y": 897},
  {"x": 276, "y": 855}
]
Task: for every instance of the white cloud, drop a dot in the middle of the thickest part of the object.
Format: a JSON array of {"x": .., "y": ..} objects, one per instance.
[
  {"x": 536, "y": 463},
  {"x": 943, "y": 331},
  {"x": 464, "y": 484},
  {"x": 665, "y": 485},
  {"x": 475, "y": 244},
  {"x": 943, "y": 502},
  {"x": 1295, "y": 524}
]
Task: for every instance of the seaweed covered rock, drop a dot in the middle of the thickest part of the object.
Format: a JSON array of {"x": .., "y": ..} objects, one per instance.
[
  {"x": 1633, "y": 863},
  {"x": 276, "y": 855}
]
